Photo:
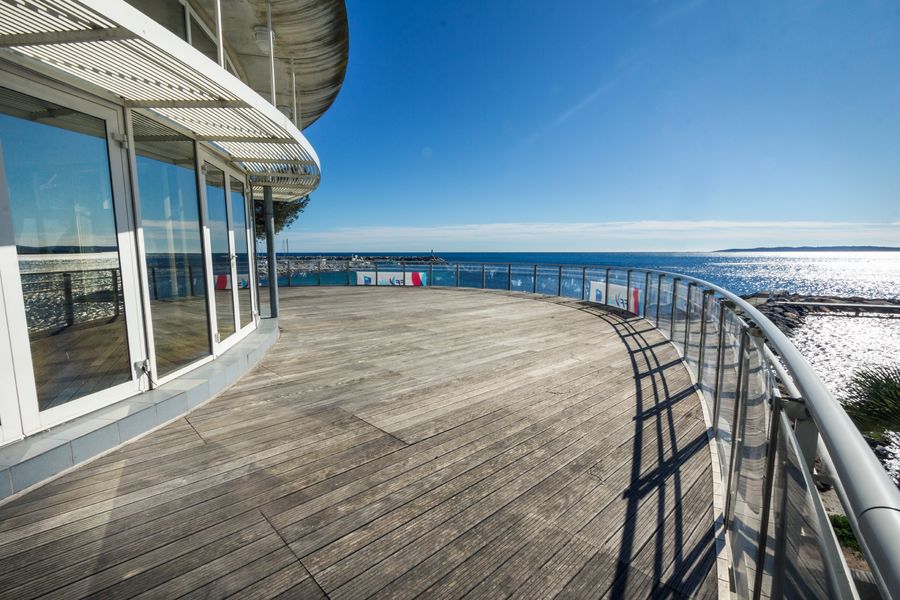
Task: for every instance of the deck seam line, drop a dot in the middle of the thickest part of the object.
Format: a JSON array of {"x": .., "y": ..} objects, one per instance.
[
  {"x": 294, "y": 554},
  {"x": 202, "y": 439}
]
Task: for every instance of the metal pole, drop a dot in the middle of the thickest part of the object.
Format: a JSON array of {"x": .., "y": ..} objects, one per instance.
[
  {"x": 294, "y": 94},
  {"x": 482, "y": 276},
  {"x": 646, "y": 292},
  {"x": 114, "y": 277},
  {"x": 701, "y": 356},
  {"x": 271, "y": 50},
  {"x": 768, "y": 484},
  {"x": 606, "y": 291},
  {"x": 191, "y": 279},
  {"x": 583, "y": 281},
  {"x": 508, "y": 276},
  {"x": 270, "y": 251},
  {"x": 559, "y": 282},
  {"x": 628, "y": 292},
  {"x": 737, "y": 423},
  {"x": 457, "y": 274},
  {"x": 672, "y": 316},
  {"x": 658, "y": 296},
  {"x": 687, "y": 318},
  {"x": 348, "y": 272},
  {"x": 720, "y": 359},
  {"x": 534, "y": 281},
  {"x": 220, "y": 44},
  {"x": 319, "y": 274},
  {"x": 67, "y": 293},
  {"x": 376, "y": 274},
  {"x": 289, "y": 267},
  {"x": 431, "y": 274},
  {"x": 153, "y": 278}
]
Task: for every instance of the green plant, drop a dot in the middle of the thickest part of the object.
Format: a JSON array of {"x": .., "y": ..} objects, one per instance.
[
  {"x": 285, "y": 213},
  {"x": 844, "y": 532},
  {"x": 873, "y": 399}
]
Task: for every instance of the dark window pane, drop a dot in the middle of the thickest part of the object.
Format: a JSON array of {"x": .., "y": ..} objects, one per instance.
[
  {"x": 176, "y": 273},
  {"x": 216, "y": 208},
  {"x": 57, "y": 170}
]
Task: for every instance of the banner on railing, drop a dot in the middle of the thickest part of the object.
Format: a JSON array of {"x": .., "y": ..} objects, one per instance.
[
  {"x": 223, "y": 282},
  {"x": 619, "y": 296},
  {"x": 412, "y": 278}
]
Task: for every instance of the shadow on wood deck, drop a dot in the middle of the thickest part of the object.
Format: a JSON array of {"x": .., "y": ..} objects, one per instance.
[{"x": 400, "y": 443}]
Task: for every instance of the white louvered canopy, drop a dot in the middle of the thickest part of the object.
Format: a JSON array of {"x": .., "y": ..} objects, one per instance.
[{"x": 110, "y": 45}]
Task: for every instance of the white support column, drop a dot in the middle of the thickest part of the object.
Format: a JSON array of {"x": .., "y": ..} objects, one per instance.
[
  {"x": 220, "y": 44},
  {"x": 271, "y": 50}
]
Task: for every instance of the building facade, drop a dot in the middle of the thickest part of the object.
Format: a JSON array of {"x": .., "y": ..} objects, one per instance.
[{"x": 134, "y": 138}]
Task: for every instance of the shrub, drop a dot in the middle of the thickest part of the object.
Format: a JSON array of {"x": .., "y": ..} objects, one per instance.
[
  {"x": 874, "y": 399},
  {"x": 844, "y": 532}
]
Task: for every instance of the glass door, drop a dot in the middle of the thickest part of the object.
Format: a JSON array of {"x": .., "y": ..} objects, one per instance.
[
  {"x": 77, "y": 297},
  {"x": 221, "y": 249},
  {"x": 240, "y": 234}
]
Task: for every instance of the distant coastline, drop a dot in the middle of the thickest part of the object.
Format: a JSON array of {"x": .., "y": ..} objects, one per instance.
[{"x": 815, "y": 249}]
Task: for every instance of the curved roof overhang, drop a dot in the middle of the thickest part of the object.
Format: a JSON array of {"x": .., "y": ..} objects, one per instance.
[
  {"x": 312, "y": 33},
  {"x": 107, "y": 44}
]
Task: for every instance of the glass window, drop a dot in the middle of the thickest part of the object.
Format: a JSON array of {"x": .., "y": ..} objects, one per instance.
[
  {"x": 216, "y": 209},
  {"x": 170, "y": 216},
  {"x": 202, "y": 41},
  {"x": 61, "y": 203},
  {"x": 241, "y": 250}
]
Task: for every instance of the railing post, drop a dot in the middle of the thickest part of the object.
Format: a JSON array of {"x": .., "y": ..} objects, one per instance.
[
  {"x": 768, "y": 486},
  {"x": 583, "y": 282},
  {"x": 606, "y": 291},
  {"x": 457, "y": 274},
  {"x": 701, "y": 355},
  {"x": 720, "y": 360},
  {"x": 675, "y": 281},
  {"x": 646, "y": 291},
  {"x": 152, "y": 283},
  {"x": 534, "y": 281},
  {"x": 737, "y": 422},
  {"x": 319, "y": 274},
  {"x": 508, "y": 276},
  {"x": 348, "y": 273},
  {"x": 483, "y": 277},
  {"x": 191, "y": 280},
  {"x": 431, "y": 274},
  {"x": 687, "y": 318},
  {"x": 114, "y": 278},
  {"x": 403, "y": 281},
  {"x": 559, "y": 282},
  {"x": 658, "y": 296},
  {"x": 67, "y": 294},
  {"x": 376, "y": 273},
  {"x": 628, "y": 292},
  {"x": 288, "y": 265}
]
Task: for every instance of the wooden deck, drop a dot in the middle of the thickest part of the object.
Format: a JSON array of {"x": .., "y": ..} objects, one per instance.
[{"x": 400, "y": 443}]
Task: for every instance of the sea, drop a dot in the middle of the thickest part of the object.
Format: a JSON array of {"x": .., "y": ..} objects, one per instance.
[{"x": 846, "y": 274}]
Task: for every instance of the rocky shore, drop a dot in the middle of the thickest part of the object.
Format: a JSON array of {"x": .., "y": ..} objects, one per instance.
[{"x": 789, "y": 317}]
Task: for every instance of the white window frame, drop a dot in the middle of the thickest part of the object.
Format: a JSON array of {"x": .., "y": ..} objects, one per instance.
[{"x": 33, "y": 419}]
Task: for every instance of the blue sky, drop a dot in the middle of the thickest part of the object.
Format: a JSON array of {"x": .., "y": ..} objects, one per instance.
[{"x": 597, "y": 126}]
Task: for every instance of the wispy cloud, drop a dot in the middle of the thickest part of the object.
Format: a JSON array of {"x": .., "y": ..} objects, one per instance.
[{"x": 594, "y": 236}]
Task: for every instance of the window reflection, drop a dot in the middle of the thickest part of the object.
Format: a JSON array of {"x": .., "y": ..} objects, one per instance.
[
  {"x": 176, "y": 272},
  {"x": 216, "y": 209},
  {"x": 57, "y": 172},
  {"x": 241, "y": 250}
]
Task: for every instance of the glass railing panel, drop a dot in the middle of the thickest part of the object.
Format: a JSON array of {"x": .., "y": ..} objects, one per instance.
[
  {"x": 548, "y": 280},
  {"x": 694, "y": 326},
  {"x": 595, "y": 284},
  {"x": 416, "y": 274},
  {"x": 496, "y": 277},
  {"x": 677, "y": 326},
  {"x": 707, "y": 372},
  {"x": 748, "y": 489},
  {"x": 806, "y": 563},
  {"x": 617, "y": 293},
  {"x": 470, "y": 275},
  {"x": 652, "y": 295},
  {"x": 304, "y": 272},
  {"x": 522, "y": 278},
  {"x": 443, "y": 275},
  {"x": 664, "y": 306},
  {"x": 639, "y": 283},
  {"x": 727, "y": 392},
  {"x": 571, "y": 282}
]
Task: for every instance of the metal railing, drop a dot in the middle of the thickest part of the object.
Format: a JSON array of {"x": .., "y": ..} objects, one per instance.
[{"x": 772, "y": 417}]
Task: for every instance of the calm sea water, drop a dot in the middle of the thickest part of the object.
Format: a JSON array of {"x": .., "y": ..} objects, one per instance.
[{"x": 866, "y": 274}]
